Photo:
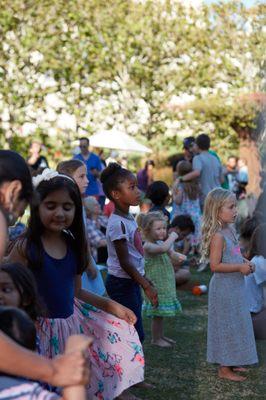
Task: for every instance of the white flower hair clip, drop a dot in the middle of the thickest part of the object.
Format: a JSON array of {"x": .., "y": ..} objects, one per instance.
[{"x": 46, "y": 175}]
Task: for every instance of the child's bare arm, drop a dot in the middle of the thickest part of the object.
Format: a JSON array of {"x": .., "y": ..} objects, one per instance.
[
  {"x": 160, "y": 248},
  {"x": 123, "y": 257},
  {"x": 175, "y": 256},
  {"x": 104, "y": 303},
  {"x": 216, "y": 265}
]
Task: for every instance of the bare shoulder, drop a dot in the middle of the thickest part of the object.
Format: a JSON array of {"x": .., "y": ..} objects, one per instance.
[{"x": 217, "y": 239}]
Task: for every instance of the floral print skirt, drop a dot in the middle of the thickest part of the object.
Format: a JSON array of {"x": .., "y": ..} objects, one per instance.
[{"x": 116, "y": 355}]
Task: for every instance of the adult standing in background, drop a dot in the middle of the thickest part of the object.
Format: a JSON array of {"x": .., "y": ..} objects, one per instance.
[
  {"x": 145, "y": 176},
  {"x": 206, "y": 167},
  {"x": 187, "y": 155},
  {"x": 93, "y": 164},
  {"x": 36, "y": 161}
]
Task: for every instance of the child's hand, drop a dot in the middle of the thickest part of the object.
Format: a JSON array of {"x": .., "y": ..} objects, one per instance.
[
  {"x": 91, "y": 271},
  {"x": 181, "y": 257},
  {"x": 124, "y": 313},
  {"x": 152, "y": 294},
  {"x": 246, "y": 268},
  {"x": 173, "y": 235}
]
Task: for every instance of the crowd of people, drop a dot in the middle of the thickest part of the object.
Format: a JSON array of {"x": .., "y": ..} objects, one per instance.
[{"x": 148, "y": 235}]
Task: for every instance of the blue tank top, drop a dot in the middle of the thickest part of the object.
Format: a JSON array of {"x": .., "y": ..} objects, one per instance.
[{"x": 55, "y": 281}]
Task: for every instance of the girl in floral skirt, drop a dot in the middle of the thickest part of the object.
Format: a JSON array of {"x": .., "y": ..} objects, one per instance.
[{"x": 55, "y": 249}]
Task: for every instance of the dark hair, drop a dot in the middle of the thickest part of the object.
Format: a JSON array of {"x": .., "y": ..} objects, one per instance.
[
  {"x": 257, "y": 243},
  {"x": 16, "y": 324},
  {"x": 69, "y": 167},
  {"x": 158, "y": 192},
  {"x": 112, "y": 176},
  {"x": 75, "y": 234},
  {"x": 85, "y": 138},
  {"x": 183, "y": 222},
  {"x": 203, "y": 141},
  {"x": 191, "y": 188},
  {"x": 25, "y": 284},
  {"x": 13, "y": 167},
  {"x": 247, "y": 227},
  {"x": 149, "y": 162},
  {"x": 188, "y": 141}
]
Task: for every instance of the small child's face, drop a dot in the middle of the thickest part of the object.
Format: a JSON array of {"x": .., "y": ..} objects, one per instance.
[
  {"x": 158, "y": 230},
  {"x": 9, "y": 295},
  {"x": 228, "y": 212},
  {"x": 80, "y": 177}
]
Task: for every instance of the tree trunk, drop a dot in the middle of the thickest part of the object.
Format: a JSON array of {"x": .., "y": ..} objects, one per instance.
[{"x": 249, "y": 151}]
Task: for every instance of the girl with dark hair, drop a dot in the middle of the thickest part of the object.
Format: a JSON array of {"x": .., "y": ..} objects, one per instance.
[
  {"x": 125, "y": 253},
  {"x": 186, "y": 199},
  {"x": 256, "y": 283},
  {"x": 18, "y": 289},
  {"x": 55, "y": 249}
]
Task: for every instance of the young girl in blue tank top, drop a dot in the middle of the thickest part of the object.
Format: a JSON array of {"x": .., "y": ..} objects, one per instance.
[
  {"x": 231, "y": 342},
  {"x": 55, "y": 249}
]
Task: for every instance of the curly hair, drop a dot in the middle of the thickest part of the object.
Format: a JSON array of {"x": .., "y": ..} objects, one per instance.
[
  {"x": 210, "y": 223},
  {"x": 145, "y": 221}
]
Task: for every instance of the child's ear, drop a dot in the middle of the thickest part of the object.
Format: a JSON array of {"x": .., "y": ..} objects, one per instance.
[{"x": 115, "y": 194}]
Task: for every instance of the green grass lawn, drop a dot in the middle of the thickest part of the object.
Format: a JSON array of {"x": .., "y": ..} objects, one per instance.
[{"x": 182, "y": 372}]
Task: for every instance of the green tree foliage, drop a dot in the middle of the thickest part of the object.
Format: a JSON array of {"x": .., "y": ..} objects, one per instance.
[{"x": 157, "y": 69}]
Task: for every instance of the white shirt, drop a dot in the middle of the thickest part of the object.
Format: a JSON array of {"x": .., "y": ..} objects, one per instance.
[
  {"x": 124, "y": 227},
  {"x": 254, "y": 285}
]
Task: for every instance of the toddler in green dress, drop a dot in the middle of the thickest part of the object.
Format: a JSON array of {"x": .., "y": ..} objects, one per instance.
[{"x": 158, "y": 253}]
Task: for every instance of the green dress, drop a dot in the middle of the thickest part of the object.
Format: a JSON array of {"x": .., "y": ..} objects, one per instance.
[{"x": 159, "y": 270}]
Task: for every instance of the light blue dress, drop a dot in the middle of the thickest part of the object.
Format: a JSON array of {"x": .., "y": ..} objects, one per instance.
[
  {"x": 96, "y": 285},
  {"x": 231, "y": 339}
]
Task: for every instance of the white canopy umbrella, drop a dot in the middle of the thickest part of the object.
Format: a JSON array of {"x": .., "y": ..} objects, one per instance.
[{"x": 115, "y": 139}]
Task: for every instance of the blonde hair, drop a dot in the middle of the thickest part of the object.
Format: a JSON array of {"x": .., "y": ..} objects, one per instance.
[
  {"x": 210, "y": 223},
  {"x": 145, "y": 221}
]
